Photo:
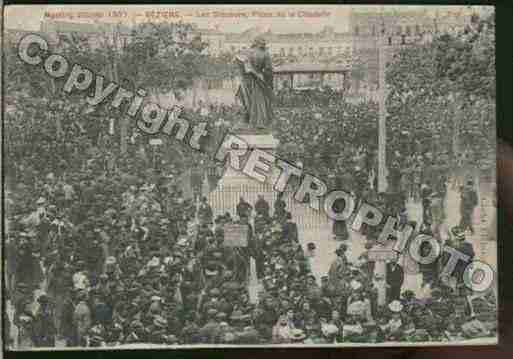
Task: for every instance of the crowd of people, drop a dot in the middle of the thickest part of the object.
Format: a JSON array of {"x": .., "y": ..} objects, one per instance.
[{"x": 104, "y": 248}]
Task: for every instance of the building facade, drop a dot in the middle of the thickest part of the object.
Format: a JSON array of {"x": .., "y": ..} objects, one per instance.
[{"x": 372, "y": 29}]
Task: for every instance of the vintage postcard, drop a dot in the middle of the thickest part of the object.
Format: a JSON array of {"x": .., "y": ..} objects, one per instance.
[{"x": 289, "y": 175}]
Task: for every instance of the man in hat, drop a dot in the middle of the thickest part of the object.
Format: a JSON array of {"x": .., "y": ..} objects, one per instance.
[
  {"x": 191, "y": 330},
  {"x": 210, "y": 330},
  {"x": 81, "y": 276},
  {"x": 82, "y": 318},
  {"x": 393, "y": 328},
  {"x": 395, "y": 280},
  {"x": 26, "y": 331},
  {"x": 426, "y": 194},
  {"x": 280, "y": 207},
  {"x": 205, "y": 214},
  {"x": 243, "y": 208},
  {"x": 282, "y": 330},
  {"x": 262, "y": 207},
  {"x": 469, "y": 200},
  {"x": 289, "y": 229},
  {"x": 44, "y": 325},
  {"x": 464, "y": 246},
  {"x": 336, "y": 273},
  {"x": 297, "y": 336}
]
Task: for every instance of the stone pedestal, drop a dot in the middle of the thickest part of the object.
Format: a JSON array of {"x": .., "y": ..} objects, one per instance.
[
  {"x": 266, "y": 143},
  {"x": 235, "y": 184}
]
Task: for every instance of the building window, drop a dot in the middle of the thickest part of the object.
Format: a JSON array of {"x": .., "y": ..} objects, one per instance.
[
  {"x": 300, "y": 50},
  {"x": 282, "y": 51},
  {"x": 356, "y": 30},
  {"x": 330, "y": 50},
  {"x": 417, "y": 29},
  {"x": 408, "y": 31},
  {"x": 399, "y": 30},
  {"x": 403, "y": 39},
  {"x": 233, "y": 48},
  {"x": 321, "y": 50},
  {"x": 390, "y": 40},
  {"x": 311, "y": 51},
  {"x": 291, "y": 51},
  {"x": 373, "y": 30}
]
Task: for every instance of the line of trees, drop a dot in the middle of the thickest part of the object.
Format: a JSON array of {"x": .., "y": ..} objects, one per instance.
[{"x": 441, "y": 98}]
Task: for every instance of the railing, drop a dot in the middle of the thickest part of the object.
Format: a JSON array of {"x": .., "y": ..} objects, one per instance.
[{"x": 226, "y": 197}]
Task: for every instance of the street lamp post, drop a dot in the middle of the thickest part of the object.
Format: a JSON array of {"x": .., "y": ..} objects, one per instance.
[{"x": 382, "y": 130}]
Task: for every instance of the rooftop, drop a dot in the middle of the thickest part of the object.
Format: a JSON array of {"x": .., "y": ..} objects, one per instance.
[{"x": 307, "y": 68}]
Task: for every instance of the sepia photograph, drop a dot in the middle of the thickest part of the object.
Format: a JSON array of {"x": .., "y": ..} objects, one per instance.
[{"x": 195, "y": 176}]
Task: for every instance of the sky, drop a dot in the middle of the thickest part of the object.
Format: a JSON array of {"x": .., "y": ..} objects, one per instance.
[{"x": 234, "y": 18}]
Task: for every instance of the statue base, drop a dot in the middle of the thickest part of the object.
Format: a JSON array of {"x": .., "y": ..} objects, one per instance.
[{"x": 235, "y": 184}]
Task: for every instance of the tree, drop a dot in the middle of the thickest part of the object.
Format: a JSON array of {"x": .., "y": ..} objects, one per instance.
[{"x": 441, "y": 101}]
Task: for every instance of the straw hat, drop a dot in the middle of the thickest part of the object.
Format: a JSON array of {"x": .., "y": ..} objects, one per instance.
[
  {"x": 395, "y": 306},
  {"x": 329, "y": 330},
  {"x": 355, "y": 285},
  {"x": 297, "y": 334}
]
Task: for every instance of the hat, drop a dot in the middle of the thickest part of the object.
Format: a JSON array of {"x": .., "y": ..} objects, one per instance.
[
  {"x": 183, "y": 241},
  {"x": 238, "y": 315},
  {"x": 329, "y": 330},
  {"x": 22, "y": 285},
  {"x": 171, "y": 339},
  {"x": 43, "y": 299},
  {"x": 228, "y": 337},
  {"x": 160, "y": 322},
  {"x": 356, "y": 308},
  {"x": 217, "y": 254},
  {"x": 211, "y": 312},
  {"x": 41, "y": 200},
  {"x": 25, "y": 318},
  {"x": 110, "y": 260},
  {"x": 95, "y": 339},
  {"x": 96, "y": 330},
  {"x": 136, "y": 324},
  {"x": 132, "y": 338},
  {"x": 341, "y": 249},
  {"x": 297, "y": 334},
  {"x": 154, "y": 262},
  {"x": 156, "y": 298},
  {"x": 355, "y": 285},
  {"x": 408, "y": 294},
  {"x": 458, "y": 232},
  {"x": 436, "y": 292},
  {"x": 210, "y": 272},
  {"x": 395, "y": 306},
  {"x": 221, "y": 316}
]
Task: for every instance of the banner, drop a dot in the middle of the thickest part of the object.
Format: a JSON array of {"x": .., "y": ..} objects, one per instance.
[{"x": 236, "y": 235}]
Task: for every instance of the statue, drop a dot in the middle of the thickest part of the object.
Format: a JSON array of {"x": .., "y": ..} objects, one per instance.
[{"x": 256, "y": 89}]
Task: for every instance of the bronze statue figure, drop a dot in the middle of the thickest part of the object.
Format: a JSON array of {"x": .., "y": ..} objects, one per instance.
[{"x": 256, "y": 88}]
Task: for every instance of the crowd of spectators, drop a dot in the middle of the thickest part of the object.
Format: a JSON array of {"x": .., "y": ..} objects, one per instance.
[{"x": 104, "y": 248}]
